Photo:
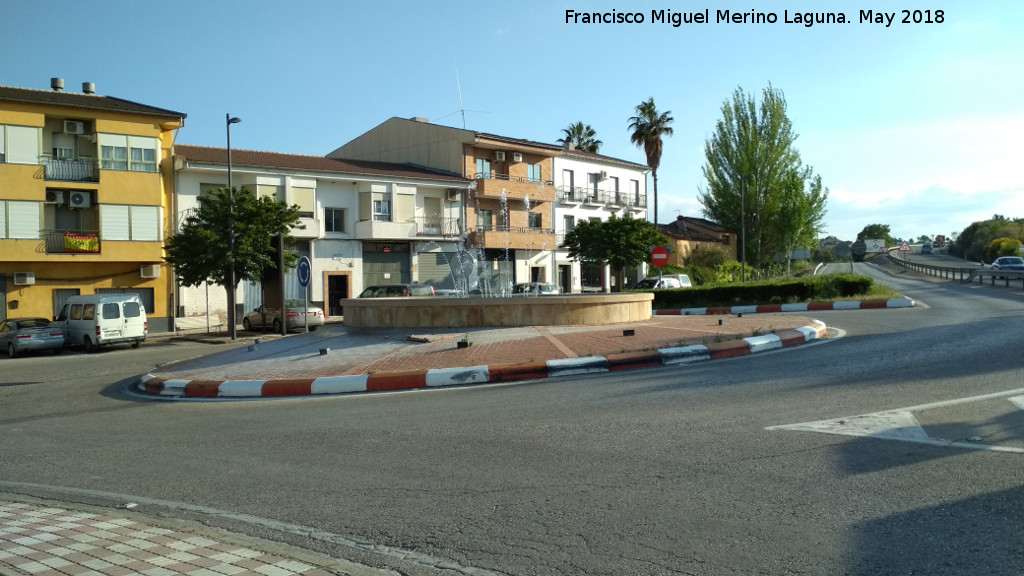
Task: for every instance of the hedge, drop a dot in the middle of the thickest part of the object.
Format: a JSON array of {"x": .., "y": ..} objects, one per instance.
[{"x": 782, "y": 291}]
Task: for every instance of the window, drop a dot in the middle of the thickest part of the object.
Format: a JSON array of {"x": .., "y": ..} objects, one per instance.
[
  {"x": 615, "y": 186},
  {"x": 89, "y": 312},
  {"x": 483, "y": 220},
  {"x": 138, "y": 223},
  {"x": 269, "y": 191},
  {"x": 304, "y": 198},
  {"x": 483, "y": 168},
  {"x": 134, "y": 153},
  {"x": 143, "y": 160},
  {"x": 634, "y": 188},
  {"x": 114, "y": 157},
  {"x": 382, "y": 211},
  {"x": 593, "y": 179},
  {"x": 19, "y": 144},
  {"x": 533, "y": 172},
  {"x": 536, "y": 221},
  {"x": 111, "y": 310},
  {"x": 334, "y": 219},
  {"x": 569, "y": 222}
]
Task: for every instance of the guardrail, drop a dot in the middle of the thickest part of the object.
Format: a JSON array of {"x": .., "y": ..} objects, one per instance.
[{"x": 965, "y": 275}]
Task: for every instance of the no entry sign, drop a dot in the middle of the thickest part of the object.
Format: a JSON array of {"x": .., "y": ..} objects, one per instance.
[{"x": 659, "y": 256}]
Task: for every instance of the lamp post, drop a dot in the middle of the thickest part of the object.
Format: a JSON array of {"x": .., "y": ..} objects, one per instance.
[
  {"x": 743, "y": 233},
  {"x": 231, "y": 236}
]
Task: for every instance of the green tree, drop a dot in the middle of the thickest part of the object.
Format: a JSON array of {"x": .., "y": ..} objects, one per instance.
[
  {"x": 200, "y": 251},
  {"x": 1002, "y": 247},
  {"x": 879, "y": 231},
  {"x": 755, "y": 177},
  {"x": 618, "y": 242},
  {"x": 581, "y": 136},
  {"x": 648, "y": 128}
]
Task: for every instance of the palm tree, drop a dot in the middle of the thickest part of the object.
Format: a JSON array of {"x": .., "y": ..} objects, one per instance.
[
  {"x": 648, "y": 127},
  {"x": 581, "y": 136}
]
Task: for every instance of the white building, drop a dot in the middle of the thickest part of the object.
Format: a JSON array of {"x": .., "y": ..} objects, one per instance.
[
  {"x": 593, "y": 187},
  {"x": 365, "y": 222}
]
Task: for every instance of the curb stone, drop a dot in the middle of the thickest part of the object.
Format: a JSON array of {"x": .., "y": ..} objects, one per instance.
[{"x": 442, "y": 377}]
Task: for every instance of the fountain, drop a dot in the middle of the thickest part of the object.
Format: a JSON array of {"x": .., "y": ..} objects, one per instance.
[{"x": 479, "y": 302}]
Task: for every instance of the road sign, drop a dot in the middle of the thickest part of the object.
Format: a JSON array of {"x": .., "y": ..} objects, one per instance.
[
  {"x": 858, "y": 248},
  {"x": 303, "y": 271},
  {"x": 659, "y": 256},
  {"x": 905, "y": 247},
  {"x": 875, "y": 245}
]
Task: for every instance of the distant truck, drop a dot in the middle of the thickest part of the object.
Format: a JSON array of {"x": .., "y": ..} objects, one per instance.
[{"x": 939, "y": 242}]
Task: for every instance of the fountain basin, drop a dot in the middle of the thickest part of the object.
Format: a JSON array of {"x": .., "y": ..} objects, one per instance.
[{"x": 480, "y": 312}]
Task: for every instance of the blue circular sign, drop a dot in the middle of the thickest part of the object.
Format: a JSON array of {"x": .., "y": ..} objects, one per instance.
[{"x": 303, "y": 271}]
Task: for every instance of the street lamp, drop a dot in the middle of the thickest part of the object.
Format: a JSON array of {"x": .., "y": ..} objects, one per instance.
[
  {"x": 743, "y": 232},
  {"x": 231, "y": 235}
]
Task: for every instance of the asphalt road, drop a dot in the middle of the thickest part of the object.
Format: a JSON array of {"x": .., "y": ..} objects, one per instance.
[{"x": 681, "y": 470}]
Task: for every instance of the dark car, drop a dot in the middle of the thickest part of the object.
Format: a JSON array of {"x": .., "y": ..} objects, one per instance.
[
  {"x": 20, "y": 335},
  {"x": 397, "y": 291},
  {"x": 1008, "y": 263}
]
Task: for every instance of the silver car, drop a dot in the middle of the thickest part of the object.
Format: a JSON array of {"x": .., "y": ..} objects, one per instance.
[
  {"x": 298, "y": 314},
  {"x": 20, "y": 335}
]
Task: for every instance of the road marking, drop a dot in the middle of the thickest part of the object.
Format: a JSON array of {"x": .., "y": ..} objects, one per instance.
[{"x": 901, "y": 424}]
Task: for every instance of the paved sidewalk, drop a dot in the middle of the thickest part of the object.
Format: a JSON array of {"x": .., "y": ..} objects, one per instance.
[{"x": 47, "y": 540}]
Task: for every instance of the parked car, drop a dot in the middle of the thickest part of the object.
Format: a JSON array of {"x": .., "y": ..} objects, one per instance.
[
  {"x": 1008, "y": 263},
  {"x": 535, "y": 288},
  {"x": 20, "y": 335},
  {"x": 664, "y": 283},
  {"x": 297, "y": 314},
  {"x": 103, "y": 319},
  {"x": 397, "y": 291}
]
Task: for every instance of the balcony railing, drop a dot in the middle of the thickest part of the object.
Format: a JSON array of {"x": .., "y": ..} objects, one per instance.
[
  {"x": 72, "y": 241},
  {"x": 508, "y": 178},
  {"x": 63, "y": 170},
  {"x": 583, "y": 195},
  {"x": 437, "y": 226}
]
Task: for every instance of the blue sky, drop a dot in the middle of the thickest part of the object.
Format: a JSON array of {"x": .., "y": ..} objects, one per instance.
[{"x": 913, "y": 125}]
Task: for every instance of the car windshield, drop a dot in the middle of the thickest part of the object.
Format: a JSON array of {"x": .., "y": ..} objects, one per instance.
[{"x": 1011, "y": 260}]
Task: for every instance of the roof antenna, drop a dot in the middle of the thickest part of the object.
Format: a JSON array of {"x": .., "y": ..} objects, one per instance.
[{"x": 461, "y": 109}]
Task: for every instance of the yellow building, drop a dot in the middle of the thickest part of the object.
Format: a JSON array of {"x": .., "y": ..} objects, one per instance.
[
  {"x": 85, "y": 200},
  {"x": 688, "y": 233}
]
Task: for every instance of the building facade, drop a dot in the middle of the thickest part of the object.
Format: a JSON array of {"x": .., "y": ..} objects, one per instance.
[
  {"x": 85, "y": 198},
  {"x": 593, "y": 187},
  {"x": 525, "y": 195},
  {"x": 363, "y": 223},
  {"x": 686, "y": 233}
]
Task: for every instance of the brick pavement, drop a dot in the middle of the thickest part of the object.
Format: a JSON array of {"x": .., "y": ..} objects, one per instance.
[{"x": 48, "y": 541}]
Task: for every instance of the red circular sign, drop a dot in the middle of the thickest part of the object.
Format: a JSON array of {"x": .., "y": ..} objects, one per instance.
[{"x": 659, "y": 256}]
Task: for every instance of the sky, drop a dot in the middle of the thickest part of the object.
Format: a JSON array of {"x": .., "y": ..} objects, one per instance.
[{"x": 913, "y": 125}]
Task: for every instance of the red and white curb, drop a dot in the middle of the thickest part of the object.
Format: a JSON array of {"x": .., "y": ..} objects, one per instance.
[
  {"x": 411, "y": 380},
  {"x": 804, "y": 307}
]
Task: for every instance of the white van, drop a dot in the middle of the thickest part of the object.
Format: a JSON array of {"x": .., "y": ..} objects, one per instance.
[{"x": 98, "y": 320}]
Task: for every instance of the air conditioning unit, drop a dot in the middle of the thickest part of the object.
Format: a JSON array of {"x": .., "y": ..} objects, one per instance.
[
  {"x": 517, "y": 157},
  {"x": 149, "y": 271},
  {"x": 74, "y": 127},
  {"x": 499, "y": 155},
  {"x": 604, "y": 175},
  {"x": 451, "y": 195},
  {"x": 80, "y": 200},
  {"x": 55, "y": 197},
  {"x": 24, "y": 278}
]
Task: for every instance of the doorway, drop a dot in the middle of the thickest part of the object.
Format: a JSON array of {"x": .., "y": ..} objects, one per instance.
[
  {"x": 338, "y": 287},
  {"x": 565, "y": 278}
]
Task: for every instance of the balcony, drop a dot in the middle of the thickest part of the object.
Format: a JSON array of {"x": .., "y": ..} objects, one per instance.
[
  {"x": 374, "y": 230},
  {"x": 515, "y": 187},
  {"x": 590, "y": 196},
  {"x": 514, "y": 238},
  {"x": 308, "y": 228},
  {"x": 437, "y": 226},
  {"x": 72, "y": 241},
  {"x": 64, "y": 170}
]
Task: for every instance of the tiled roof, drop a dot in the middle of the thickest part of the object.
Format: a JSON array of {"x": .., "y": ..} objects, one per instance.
[
  {"x": 698, "y": 229},
  {"x": 84, "y": 101},
  {"x": 252, "y": 158}
]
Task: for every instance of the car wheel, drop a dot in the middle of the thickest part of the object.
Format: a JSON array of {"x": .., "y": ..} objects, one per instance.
[
  {"x": 89, "y": 347},
  {"x": 136, "y": 344},
  {"x": 10, "y": 350},
  {"x": 313, "y": 328},
  {"x": 246, "y": 325},
  {"x": 58, "y": 351},
  {"x": 277, "y": 326}
]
